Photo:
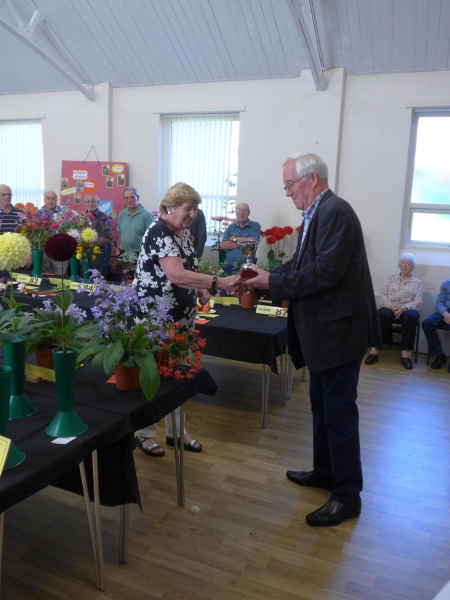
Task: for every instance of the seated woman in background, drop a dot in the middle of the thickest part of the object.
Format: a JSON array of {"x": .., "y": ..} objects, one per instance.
[{"x": 400, "y": 301}]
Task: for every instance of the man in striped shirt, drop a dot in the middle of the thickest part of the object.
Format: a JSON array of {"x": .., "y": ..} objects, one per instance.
[{"x": 9, "y": 215}]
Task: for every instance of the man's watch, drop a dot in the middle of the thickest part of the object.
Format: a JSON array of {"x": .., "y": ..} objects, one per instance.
[{"x": 235, "y": 239}]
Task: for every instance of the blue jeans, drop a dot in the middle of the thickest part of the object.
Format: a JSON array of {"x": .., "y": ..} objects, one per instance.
[{"x": 430, "y": 326}]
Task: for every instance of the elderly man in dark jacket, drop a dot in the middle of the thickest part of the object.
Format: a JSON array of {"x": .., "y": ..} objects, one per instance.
[{"x": 332, "y": 320}]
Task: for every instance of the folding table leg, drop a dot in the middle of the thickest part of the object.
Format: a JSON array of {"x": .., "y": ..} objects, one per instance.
[
  {"x": 124, "y": 525},
  {"x": 283, "y": 369},
  {"x": 179, "y": 454},
  {"x": 265, "y": 394},
  {"x": 98, "y": 524},
  {"x": 87, "y": 503}
]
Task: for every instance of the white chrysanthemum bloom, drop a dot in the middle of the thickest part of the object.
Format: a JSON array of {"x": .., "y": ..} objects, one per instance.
[
  {"x": 74, "y": 233},
  {"x": 15, "y": 250}
]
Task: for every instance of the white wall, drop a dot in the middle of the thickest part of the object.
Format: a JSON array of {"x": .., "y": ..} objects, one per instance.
[{"x": 360, "y": 125}]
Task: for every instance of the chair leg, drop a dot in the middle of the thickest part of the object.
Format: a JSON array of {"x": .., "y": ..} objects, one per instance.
[{"x": 417, "y": 340}]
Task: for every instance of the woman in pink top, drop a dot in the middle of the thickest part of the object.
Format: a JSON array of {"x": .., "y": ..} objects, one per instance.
[{"x": 400, "y": 301}]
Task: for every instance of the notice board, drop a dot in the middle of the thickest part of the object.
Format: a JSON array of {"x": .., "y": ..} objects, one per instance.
[{"x": 106, "y": 179}]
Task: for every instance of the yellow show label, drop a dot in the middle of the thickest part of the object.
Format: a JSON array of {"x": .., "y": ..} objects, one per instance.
[
  {"x": 86, "y": 287},
  {"x": 226, "y": 300},
  {"x": 5, "y": 443},
  {"x": 28, "y": 279},
  {"x": 273, "y": 311}
]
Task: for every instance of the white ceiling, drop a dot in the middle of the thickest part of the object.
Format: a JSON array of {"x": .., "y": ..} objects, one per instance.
[{"x": 151, "y": 42}]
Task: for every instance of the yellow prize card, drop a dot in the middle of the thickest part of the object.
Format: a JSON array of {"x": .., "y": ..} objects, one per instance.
[{"x": 5, "y": 443}]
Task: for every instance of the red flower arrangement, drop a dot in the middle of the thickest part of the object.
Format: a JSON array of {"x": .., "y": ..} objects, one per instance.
[
  {"x": 276, "y": 239},
  {"x": 60, "y": 247},
  {"x": 181, "y": 355}
]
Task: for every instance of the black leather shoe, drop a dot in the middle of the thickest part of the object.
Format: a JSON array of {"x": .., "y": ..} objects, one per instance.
[
  {"x": 439, "y": 361},
  {"x": 406, "y": 362},
  {"x": 333, "y": 513},
  {"x": 371, "y": 359},
  {"x": 309, "y": 479}
]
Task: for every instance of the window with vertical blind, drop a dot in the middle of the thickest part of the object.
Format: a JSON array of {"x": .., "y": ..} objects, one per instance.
[
  {"x": 202, "y": 151},
  {"x": 21, "y": 160},
  {"x": 428, "y": 182}
]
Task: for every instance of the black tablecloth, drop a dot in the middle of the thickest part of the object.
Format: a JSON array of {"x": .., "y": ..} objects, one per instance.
[
  {"x": 241, "y": 334},
  {"x": 46, "y": 462}
]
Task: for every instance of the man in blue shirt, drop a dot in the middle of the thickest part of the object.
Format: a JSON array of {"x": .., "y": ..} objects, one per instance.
[
  {"x": 242, "y": 231},
  {"x": 439, "y": 320}
]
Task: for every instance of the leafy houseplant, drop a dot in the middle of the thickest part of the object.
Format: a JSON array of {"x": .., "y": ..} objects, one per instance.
[
  {"x": 124, "y": 340},
  {"x": 276, "y": 240},
  {"x": 125, "y": 265}
]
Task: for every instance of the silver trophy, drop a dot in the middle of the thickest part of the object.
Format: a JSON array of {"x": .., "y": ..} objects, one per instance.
[{"x": 247, "y": 249}]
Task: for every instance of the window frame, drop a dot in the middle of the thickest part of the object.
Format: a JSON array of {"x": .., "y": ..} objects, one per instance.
[
  {"x": 412, "y": 208},
  {"x": 164, "y": 167}
]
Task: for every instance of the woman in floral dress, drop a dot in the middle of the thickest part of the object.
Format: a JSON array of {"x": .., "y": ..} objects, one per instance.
[{"x": 167, "y": 267}]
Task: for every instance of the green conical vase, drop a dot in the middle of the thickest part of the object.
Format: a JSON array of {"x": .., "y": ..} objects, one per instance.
[
  {"x": 66, "y": 422},
  {"x": 86, "y": 267},
  {"x": 15, "y": 456},
  {"x": 15, "y": 355},
  {"x": 74, "y": 269},
  {"x": 37, "y": 263}
]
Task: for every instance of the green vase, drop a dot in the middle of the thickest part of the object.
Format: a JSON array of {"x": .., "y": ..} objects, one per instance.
[
  {"x": 74, "y": 269},
  {"x": 222, "y": 256},
  {"x": 15, "y": 456},
  {"x": 15, "y": 355},
  {"x": 86, "y": 267},
  {"x": 66, "y": 422},
  {"x": 37, "y": 263}
]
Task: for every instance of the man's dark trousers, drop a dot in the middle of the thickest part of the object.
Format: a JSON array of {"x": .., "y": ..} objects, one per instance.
[{"x": 337, "y": 458}]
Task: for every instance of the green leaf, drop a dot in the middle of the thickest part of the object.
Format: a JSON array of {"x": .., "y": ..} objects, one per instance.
[
  {"x": 113, "y": 356},
  {"x": 97, "y": 361},
  {"x": 148, "y": 375},
  {"x": 92, "y": 350},
  {"x": 271, "y": 255},
  {"x": 129, "y": 362}
]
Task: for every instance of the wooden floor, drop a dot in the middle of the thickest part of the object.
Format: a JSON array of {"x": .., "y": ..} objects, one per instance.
[{"x": 250, "y": 540}]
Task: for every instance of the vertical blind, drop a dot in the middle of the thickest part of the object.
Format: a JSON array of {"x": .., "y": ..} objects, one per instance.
[
  {"x": 203, "y": 152},
  {"x": 21, "y": 160}
]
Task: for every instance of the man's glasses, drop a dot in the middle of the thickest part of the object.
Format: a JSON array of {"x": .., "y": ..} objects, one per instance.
[{"x": 289, "y": 186}]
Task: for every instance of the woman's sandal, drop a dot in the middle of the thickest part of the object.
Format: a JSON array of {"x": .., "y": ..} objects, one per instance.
[
  {"x": 189, "y": 447},
  {"x": 149, "y": 450}
]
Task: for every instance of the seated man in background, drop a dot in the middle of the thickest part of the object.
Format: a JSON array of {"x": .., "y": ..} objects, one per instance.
[
  {"x": 242, "y": 231},
  {"x": 51, "y": 208},
  {"x": 439, "y": 320},
  {"x": 103, "y": 227},
  {"x": 133, "y": 221}
]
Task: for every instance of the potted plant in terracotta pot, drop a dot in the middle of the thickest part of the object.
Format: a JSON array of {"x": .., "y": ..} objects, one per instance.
[
  {"x": 180, "y": 355},
  {"x": 125, "y": 344}
]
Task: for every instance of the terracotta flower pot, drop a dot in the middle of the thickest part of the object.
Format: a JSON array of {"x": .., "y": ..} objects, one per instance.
[
  {"x": 284, "y": 303},
  {"x": 44, "y": 358},
  {"x": 248, "y": 300},
  {"x": 127, "y": 378}
]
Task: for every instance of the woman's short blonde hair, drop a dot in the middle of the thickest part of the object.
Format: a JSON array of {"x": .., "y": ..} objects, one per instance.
[{"x": 177, "y": 195}]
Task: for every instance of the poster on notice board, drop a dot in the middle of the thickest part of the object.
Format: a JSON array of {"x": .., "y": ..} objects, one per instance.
[{"x": 106, "y": 179}]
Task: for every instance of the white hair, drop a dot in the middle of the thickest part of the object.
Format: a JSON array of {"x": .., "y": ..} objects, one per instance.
[
  {"x": 409, "y": 257},
  {"x": 306, "y": 163}
]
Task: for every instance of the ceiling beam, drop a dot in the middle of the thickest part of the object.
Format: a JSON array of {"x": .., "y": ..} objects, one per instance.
[
  {"x": 86, "y": 91},
  {"x": 312, "y": 56}
]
